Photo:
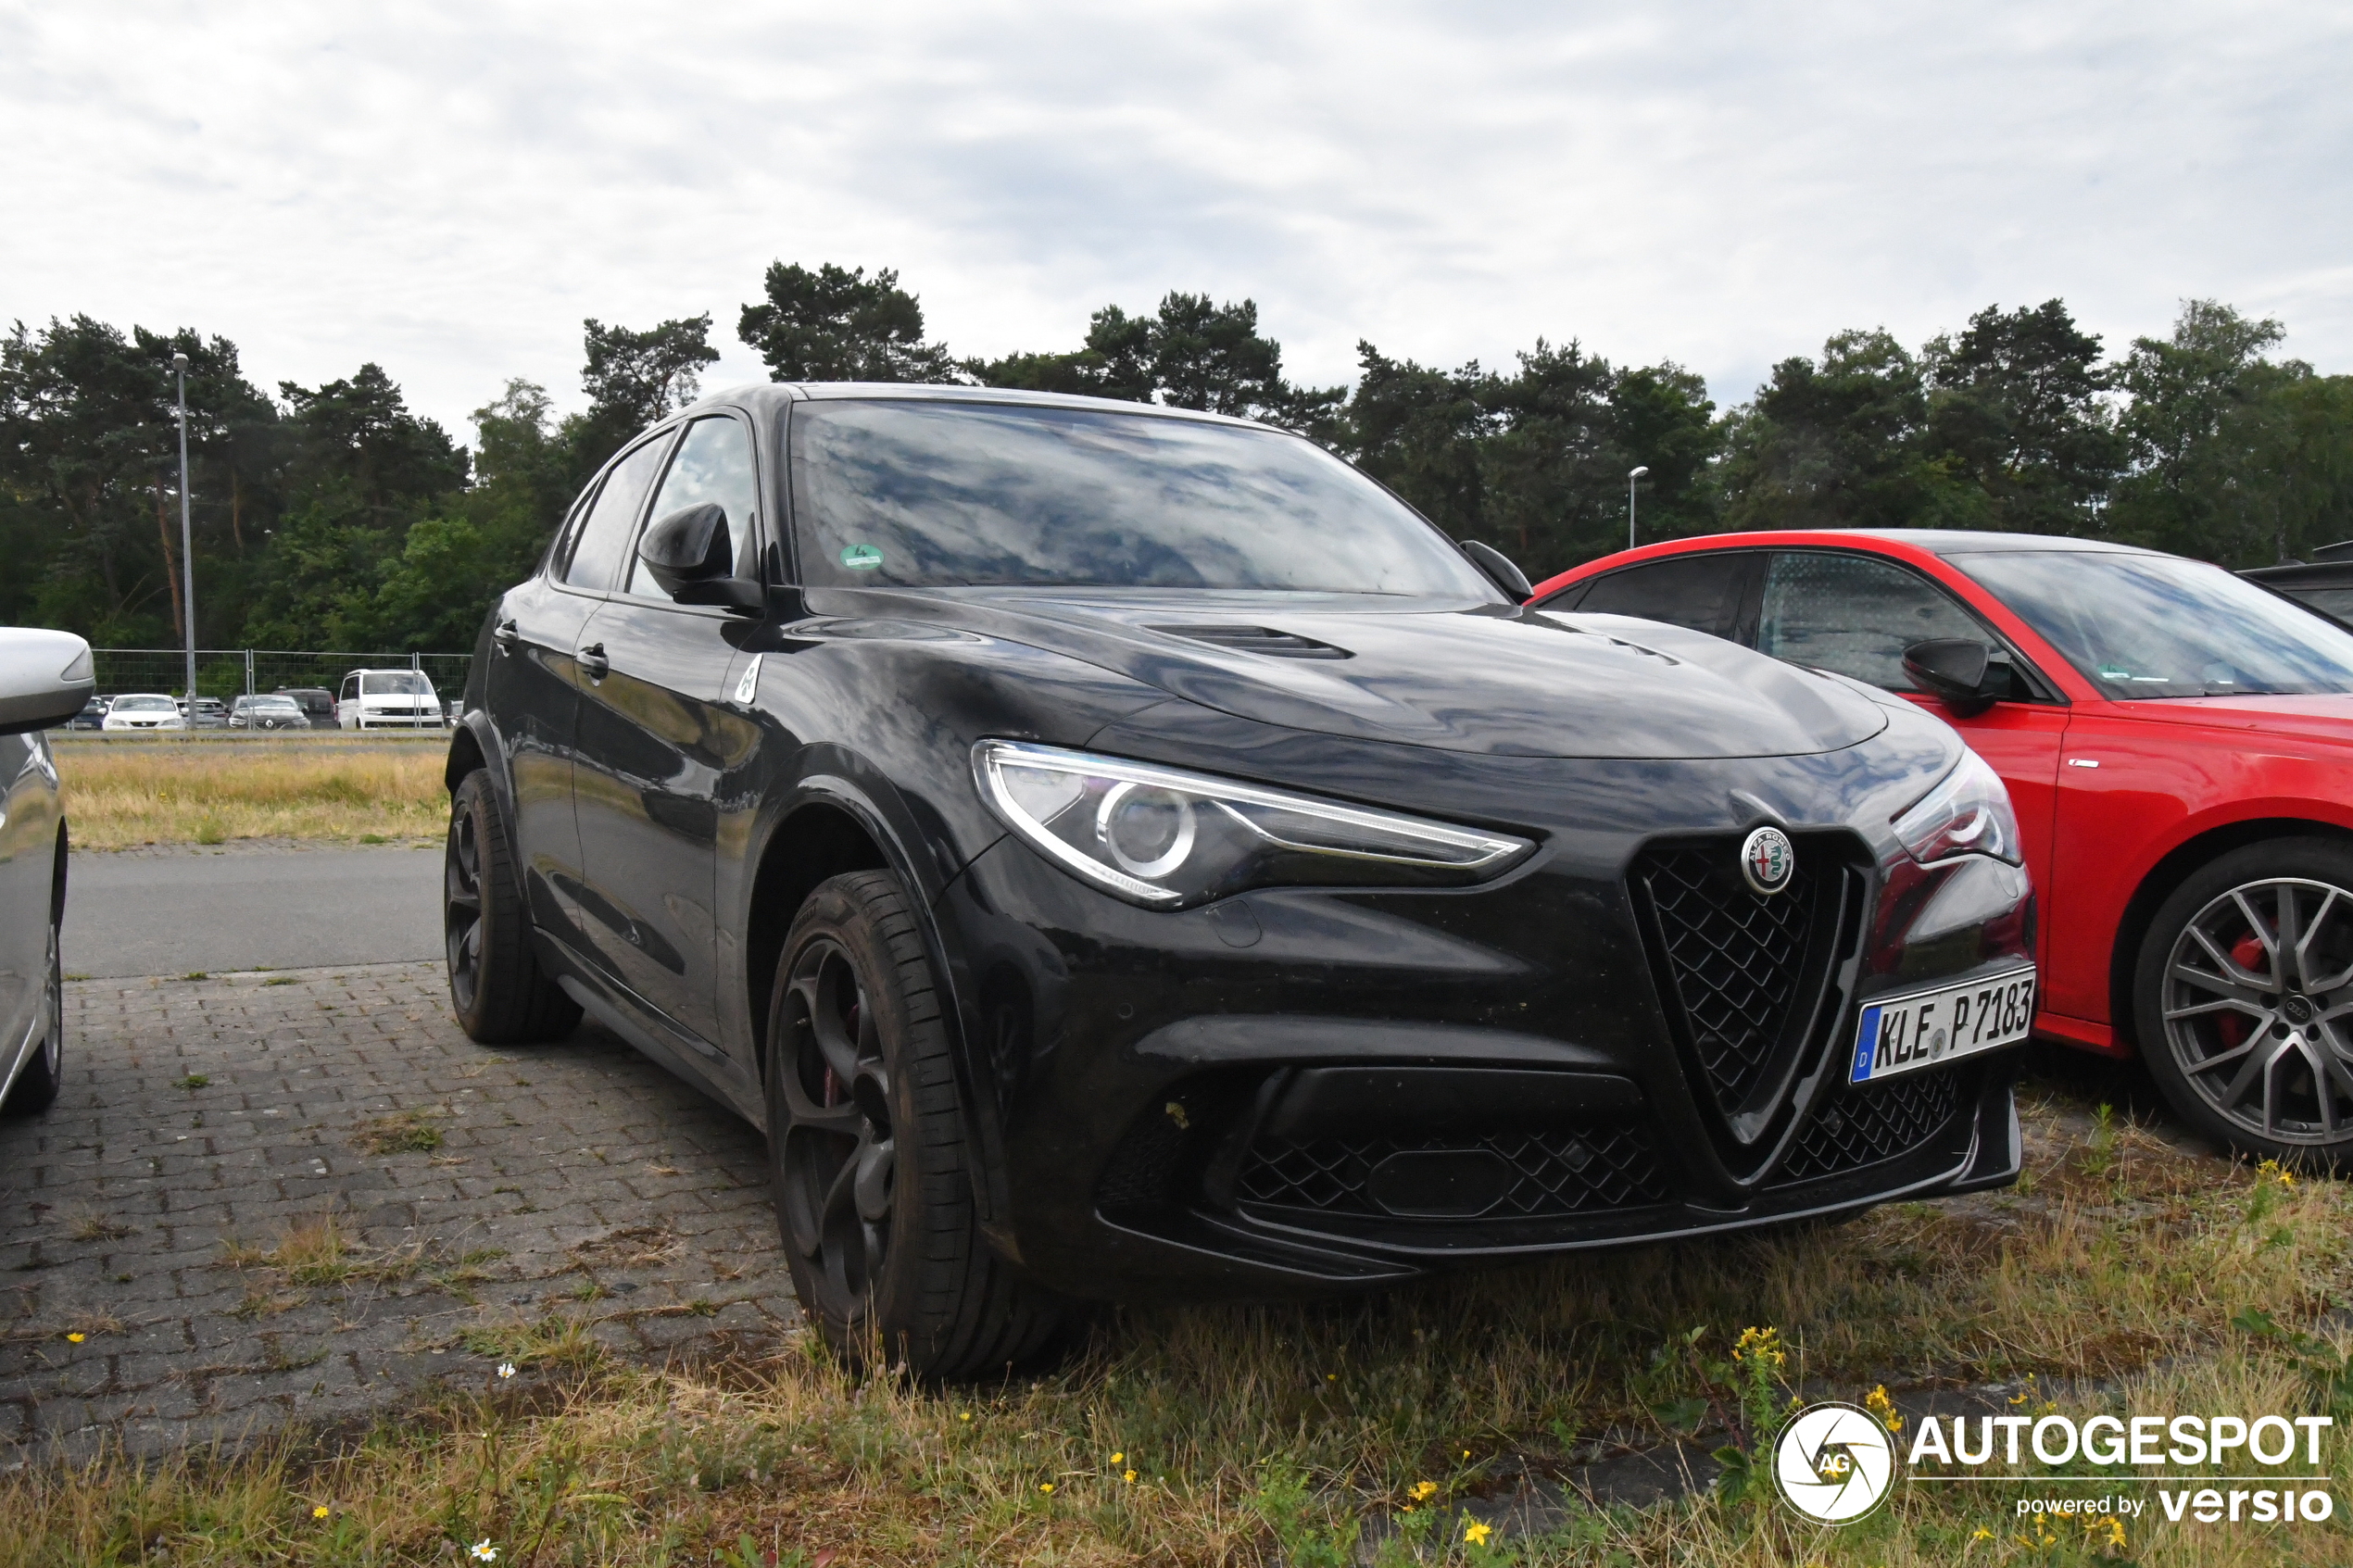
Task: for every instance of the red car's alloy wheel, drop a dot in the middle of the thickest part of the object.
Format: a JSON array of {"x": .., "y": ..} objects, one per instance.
[{"x": 2257, "y": 1006}]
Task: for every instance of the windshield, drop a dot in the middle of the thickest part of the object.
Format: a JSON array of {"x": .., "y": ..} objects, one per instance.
[
  {"x": 143, "y": 705},
  {"x": 905, "y": 493},
  {"x": 273, "y": 702},
  {"x": 388, "y": 682},
  {"x": 2143, "y": 626}
]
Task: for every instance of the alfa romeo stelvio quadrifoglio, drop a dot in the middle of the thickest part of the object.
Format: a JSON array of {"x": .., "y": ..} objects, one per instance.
[{"x": 1117, "y": 852}]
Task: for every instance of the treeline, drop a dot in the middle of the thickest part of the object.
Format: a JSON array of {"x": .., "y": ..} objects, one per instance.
[{"x": 335, "y": 517}]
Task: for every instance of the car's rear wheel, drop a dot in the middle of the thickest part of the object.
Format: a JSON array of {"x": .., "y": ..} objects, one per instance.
[
  {"x": 501, "y": 995},
  {"x": 2243, "y": 1001},
  {"x": 867, "y": 1149},
  {"x": 36, "y": 1087}
]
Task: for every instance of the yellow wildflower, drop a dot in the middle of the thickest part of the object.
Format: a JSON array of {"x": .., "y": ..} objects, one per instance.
[
  {"x": 1477, "y": 1533},
  {"x": 1981, "y": 1533},
  {"x": 76, "y": 1338},
  {"x": 1045, "y": 1486},
  {"x": 1424, "y": 1490},
  {"x": 1129, "y": 1477},
  {"x": 964, "y": 1415},
  {"x": 1116, "y": 1458},
  {"x": 1760, "y": 1344},
  {"x": 320, "y": 1512},
  {"x": 1879, "y": 1405}
]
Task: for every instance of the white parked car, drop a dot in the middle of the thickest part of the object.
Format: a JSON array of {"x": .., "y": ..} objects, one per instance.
[
  {"x": 45, "y": 679},
  {"x": 375, "y": 699},
  {"x": 143, "y": 710}
]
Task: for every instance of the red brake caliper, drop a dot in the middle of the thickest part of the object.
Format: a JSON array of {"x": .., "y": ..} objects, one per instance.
[{"x": 2233, "y": 1027}]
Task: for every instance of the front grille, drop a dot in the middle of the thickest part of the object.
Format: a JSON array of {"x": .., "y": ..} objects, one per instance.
[
  {"x": 1870, "y": 1122},
  {"x": 1573, "y": 1172},
  {"x": 1737, "y": 959}
]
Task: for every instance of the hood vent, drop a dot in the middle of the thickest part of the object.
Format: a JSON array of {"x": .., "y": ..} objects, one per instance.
[{"x": 1258, "y": 639}]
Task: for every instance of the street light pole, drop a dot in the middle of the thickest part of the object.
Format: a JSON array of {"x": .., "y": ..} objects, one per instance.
[
  {"x": 1631, "y": 475},
  {"x": 187, "y": 554}
]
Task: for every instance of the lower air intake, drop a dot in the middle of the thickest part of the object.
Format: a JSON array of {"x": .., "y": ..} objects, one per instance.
[
  {"x": 1870, "y": 1122},
  {"x": 1535, "y": 1175}
]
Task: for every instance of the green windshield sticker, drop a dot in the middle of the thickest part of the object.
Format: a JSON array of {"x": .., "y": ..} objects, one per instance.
[{"x": 861, "y": 557}]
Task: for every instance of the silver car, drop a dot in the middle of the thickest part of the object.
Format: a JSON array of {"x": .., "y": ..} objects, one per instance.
[{"x": 45, "y": 679}]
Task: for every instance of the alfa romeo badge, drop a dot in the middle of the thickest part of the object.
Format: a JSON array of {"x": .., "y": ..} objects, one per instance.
[{"x": 1767, "y": 859}]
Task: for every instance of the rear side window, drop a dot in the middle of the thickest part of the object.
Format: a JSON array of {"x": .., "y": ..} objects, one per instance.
[
  {"x": 1855, "y": 615},
  {"x": 1702, "y": 592},
  {"x": 605, "y": 537}
]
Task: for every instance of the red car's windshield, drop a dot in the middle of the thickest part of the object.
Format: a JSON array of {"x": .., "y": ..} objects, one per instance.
[{"x": 2144, "y": 626}]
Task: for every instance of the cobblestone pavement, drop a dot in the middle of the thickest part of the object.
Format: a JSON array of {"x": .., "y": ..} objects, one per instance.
[{"x": 301, "y": 1196}]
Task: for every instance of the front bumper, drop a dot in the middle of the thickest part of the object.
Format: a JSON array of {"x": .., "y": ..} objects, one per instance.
[{"x": 1294, "y": 1090}]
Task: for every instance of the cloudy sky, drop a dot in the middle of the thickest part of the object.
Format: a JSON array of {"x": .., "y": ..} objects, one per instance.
[{"x": 448, "y": 189}]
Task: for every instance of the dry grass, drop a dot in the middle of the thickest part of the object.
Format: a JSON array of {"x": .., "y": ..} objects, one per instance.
[
  {"x": 1297, "y": 1434},
  {"x": 122, "y": 795}
]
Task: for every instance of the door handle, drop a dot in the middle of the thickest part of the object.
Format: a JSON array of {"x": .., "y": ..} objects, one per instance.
[
  {"x": 592, "y": 659},
  {"x": 506, "y": 635}
]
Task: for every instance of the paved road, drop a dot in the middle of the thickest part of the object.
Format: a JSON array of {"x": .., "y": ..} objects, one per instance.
[
  {"x": 173, "y": 911},
  {"x": 566, "y": 1188}
]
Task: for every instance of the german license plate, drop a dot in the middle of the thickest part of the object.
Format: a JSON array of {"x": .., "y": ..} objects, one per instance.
[{"x": 1906, "y": 1034}]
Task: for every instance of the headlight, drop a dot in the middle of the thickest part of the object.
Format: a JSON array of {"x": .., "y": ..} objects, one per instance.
[
  {"x": 1167, "y": 839},
  {"x": 1967, "y": 813}
]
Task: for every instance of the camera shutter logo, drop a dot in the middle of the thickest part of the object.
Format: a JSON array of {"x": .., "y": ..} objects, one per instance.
[
  {"x": 1833, "y": 1462},
  {"x": 1767, "y": 859}
]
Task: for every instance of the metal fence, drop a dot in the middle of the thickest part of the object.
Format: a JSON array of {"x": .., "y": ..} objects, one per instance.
[{"x": 227, "y": 672}]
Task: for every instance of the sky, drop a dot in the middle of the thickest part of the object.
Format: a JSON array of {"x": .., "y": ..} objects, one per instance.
[{"x": 448, "y": 189}]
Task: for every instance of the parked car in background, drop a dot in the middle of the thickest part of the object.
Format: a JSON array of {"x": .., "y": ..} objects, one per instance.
[
  {"x": 1123, "y": 852},
  {"x": 44, "y": 681},
  {"x": 2325, "y": 582},
  {"x": 376, "y": 699},
  {"x": 93, "y": 715},
  {"x": 205, "y": 713},
  {"x": 2179, "y": 747},
  {"x": 317, "y": 704},
  {"x": 267, "y": 710},
  {"x": 143, "y": 710}
]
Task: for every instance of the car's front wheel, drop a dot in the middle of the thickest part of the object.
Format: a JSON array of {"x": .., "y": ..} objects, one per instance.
[
  {"x": 867, "y": 1149},
  {"x": 2243, "y": 1001},
  {"x": 501, "y": 993},
  {"x": 36, "y": 1087}
]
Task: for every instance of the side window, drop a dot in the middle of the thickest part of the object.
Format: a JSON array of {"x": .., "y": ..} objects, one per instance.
[
  {"x": 1855, "y": 615},
  {"x": 714, "y": 466},
  {"x": 605, "y": 537},
  {"x": 1702, "y": 592},
  {"x": 350, "y": 688}
]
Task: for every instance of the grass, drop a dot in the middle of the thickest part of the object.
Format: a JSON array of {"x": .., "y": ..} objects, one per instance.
[
  {"x": 402, "y": 1132},
  {"x": 1300, "y": 1434},
  {"x": 120, "y": 796}
]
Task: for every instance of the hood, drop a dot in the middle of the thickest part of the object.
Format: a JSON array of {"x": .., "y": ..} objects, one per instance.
[
  {"x": 1459, "y": 676},
  {"x": 2320, "y": 716}
]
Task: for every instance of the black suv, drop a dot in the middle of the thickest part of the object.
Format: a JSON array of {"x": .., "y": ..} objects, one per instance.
[{"x": 1118, "y": 852}]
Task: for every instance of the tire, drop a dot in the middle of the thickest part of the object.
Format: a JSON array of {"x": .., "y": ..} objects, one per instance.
[
  {"x": 36, "y": 1087},
  {"x": 866, "y": 1148},
  {"x": 2250, "y": 1036},
  {"x": 497, "y": 987}
]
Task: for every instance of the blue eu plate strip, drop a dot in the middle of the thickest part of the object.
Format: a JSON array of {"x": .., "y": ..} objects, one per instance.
[{"x": 1866, "y": 1042}]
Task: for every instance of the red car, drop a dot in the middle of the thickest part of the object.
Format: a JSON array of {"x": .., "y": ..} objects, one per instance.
[{"x": 2177, "y": 744}]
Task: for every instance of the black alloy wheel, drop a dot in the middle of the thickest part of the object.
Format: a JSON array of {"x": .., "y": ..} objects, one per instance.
[
  {"x": 2244, "y": 1001},
  {"x": 497, "y": 987},
  {"x": 867, "y": 1151}
]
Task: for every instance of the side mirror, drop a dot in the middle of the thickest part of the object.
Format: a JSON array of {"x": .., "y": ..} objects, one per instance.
[
  {"x": 45, "y": 679},
  {"x": 1961, "y": 672},
  {"x": 692, "y": 556},
  {"x": 1500, "y": 570}
]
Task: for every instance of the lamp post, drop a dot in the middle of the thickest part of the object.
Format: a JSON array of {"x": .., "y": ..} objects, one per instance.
[
  {"x": 1631, "y": 475},
  {"x": 187, "y": 554}
]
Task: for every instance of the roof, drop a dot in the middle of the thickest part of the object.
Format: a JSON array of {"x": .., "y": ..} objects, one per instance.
[
  {"x": 1964, "y": 541},
  {"x": 774, "y": 395}
]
